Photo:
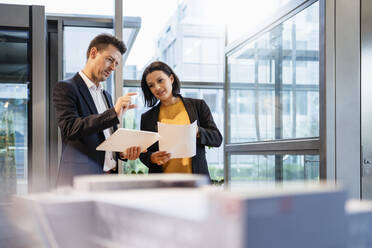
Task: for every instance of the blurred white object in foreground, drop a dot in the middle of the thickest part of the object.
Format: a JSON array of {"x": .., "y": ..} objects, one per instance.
[{"x": 297, "y": 215}]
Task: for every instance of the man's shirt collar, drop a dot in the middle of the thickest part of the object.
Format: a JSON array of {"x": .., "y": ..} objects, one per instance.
[{"x": 89, "y": 83}]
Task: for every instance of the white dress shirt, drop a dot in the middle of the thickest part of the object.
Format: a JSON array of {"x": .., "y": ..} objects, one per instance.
[{"x": 102, "y": 106}]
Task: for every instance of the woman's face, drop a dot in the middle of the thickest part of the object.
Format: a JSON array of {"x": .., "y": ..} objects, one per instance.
[{"x": 160, "y": 85}]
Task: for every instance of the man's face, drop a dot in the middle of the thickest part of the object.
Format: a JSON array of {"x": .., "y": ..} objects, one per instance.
[{"x": 104, "y": 62}]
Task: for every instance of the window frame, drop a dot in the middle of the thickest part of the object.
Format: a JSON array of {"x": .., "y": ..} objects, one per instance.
[{"x": 303, "y": 146}]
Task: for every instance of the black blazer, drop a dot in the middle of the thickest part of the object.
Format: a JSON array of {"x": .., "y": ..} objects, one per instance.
[
  {"x": 81, "y": 129},
  {"x": 197, "y": 110}
]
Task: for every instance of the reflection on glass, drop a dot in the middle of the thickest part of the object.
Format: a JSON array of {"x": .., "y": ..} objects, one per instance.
[
  {"x": 266, "y": 168},
  {"x": 14, "y": 74},
  {"x": 13, "y": 56},
  {"x": 275, "y": 82},
  {"x": 214, "y": 99}
]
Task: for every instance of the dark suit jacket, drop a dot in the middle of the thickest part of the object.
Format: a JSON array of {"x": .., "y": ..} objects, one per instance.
[
  {"x": 81, "y": 129},
  {"x": 209, "y": 134}
]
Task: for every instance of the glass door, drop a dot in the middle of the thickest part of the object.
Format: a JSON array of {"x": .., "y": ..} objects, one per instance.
[{"x": 14, "y": 109}]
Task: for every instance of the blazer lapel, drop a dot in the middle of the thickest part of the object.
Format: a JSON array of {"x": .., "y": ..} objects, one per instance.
[
  {"x": 108, "y": 99},
  {"x": 84, "y": 91},
  {"x": 154, "y": 118},
  {"x": 110, "y": 105},
  {"x": 190, "y": 110}
]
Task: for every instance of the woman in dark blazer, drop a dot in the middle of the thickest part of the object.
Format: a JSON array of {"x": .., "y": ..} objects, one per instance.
[{"x": 161, "y": 87}]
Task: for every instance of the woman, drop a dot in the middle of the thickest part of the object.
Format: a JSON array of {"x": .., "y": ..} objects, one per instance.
[{"x": 160, "y": 84}]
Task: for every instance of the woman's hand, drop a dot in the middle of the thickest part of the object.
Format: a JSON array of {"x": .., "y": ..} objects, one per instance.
[{"x": 160, "y": 157}]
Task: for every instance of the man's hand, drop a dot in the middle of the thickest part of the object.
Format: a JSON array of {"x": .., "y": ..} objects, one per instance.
[
  {"x": 131, "y": 153},
  {"x": 124, "y": 103},
  {"x": 160, "y": 158}
]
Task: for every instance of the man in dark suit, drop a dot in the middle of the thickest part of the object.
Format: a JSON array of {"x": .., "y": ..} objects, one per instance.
[{"x": 86, "y": 115}]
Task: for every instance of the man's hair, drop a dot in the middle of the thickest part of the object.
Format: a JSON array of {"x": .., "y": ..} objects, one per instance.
[{"x": 103, "y": 40}]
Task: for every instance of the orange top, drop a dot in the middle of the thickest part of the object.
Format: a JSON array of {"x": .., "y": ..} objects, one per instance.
[{"x": 176, "y": 114}]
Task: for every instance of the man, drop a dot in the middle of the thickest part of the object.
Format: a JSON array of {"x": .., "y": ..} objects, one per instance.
[{"x": 86, "y": 115}]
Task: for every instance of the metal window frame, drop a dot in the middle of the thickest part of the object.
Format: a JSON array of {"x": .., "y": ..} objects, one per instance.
[
  {"x": 118, "y": 75},
  {"x": 94, "y": 21},
  {"x": 185, "y": 84},
  {"x": 312, "y": 145},
  {"x": 118, "y": 30},
  {"x": 14, "y": 16},
  {"x": 54, "y": 65},
  {"x": 324, "y": 172},
  {"x": 292, "y": 145},
  {"x": 347, "y": 36},
  {"x": 39, "y": 169}
]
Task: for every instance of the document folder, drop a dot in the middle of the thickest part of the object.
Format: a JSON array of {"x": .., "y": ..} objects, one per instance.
[{"x": 123, "y": 138}]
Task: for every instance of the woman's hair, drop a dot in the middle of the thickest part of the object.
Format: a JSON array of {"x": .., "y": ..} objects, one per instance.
[{"x": 150, "y": 99}]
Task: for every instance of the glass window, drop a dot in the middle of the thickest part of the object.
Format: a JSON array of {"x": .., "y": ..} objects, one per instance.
[
  {"x": 252, "y": 115},
  {"x": 76, "y": 42},
  {"x": 201, "y": 50},
  {"x": 132, "y": 120},
  {"x": 279, "y": 72},
  {"x": 191, "y": 50},
  {"x": 202, "y": 59},
  {"x": 214, "y": 99},
  {"x": 243, "y": 16},
  {"x": 169, "y": 55},
  {"x": 178, "y": 33},
  {"x": 14, "y": 105},
  {"x": 266, "y": 168},
  {"x": 13, "y": 56}
]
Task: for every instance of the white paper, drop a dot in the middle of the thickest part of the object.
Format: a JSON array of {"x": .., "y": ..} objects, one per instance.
[
  {"x": 125, "y": 138},
  {"x": 178, "y": 140}
]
